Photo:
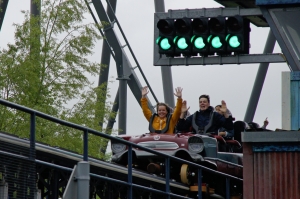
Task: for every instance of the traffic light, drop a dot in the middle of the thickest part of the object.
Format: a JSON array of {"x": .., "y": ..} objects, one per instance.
[
  {"x": 216, "y": 38},
  {"x": 166, "y": 36},
  {"x": 200, "y": 36},
  {"x": 237, "y": 37},
  {"x": 183, "y": 36}
]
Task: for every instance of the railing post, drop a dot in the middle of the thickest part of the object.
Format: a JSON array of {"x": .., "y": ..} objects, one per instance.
[
  {"x": 85, "y": 145},
  {"x": 32, "y": 136},
  {"x": 129, "y": 166},
  {"x": 199, "y": 183},
  {"x": 227, "y": 188},
  {"x": 167, "y": 176}
]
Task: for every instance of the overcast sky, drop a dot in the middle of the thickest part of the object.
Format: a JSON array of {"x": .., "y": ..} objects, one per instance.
[{"x": 232, "y": 83}]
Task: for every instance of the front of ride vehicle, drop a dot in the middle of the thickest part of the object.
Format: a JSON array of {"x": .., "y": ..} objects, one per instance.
[{"x": 187, "y": 146}]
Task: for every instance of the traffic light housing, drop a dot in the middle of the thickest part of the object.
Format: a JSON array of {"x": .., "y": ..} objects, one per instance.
[
  {"x": 182, "y": 40},
  {"x": 237, "y": 38},
  {"x": 216, "y": 38},
  {"x": 200, "y": 36},
  {"x": 166, "y": 36}
]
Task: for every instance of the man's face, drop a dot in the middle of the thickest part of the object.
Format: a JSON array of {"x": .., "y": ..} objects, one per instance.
[{"x": 203, "y": 104}]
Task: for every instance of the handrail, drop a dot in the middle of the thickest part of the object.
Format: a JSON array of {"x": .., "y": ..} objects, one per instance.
[{"x": 87, "y": 130}]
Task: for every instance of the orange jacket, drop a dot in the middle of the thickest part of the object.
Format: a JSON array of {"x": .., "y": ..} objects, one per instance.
[{"x": 159, "y": 124}]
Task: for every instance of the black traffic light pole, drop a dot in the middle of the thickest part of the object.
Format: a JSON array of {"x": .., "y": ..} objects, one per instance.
[{"x": 166, "y": 72}]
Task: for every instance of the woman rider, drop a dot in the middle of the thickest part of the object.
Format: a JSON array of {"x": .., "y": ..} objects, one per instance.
[{"x": 162, "y": 121}]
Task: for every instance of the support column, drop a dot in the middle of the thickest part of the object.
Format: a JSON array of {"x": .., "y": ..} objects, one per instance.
[
  {"x": 79, "y": 182},
  {"x": 295, "y": 97},
  {"x": 259, "y": 80},
  {"x": 122, "y": 104},
  {"x": 105, "y": 56}
]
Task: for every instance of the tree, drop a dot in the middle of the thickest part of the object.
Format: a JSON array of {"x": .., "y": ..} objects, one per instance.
[{"x": 48, "y": 67}]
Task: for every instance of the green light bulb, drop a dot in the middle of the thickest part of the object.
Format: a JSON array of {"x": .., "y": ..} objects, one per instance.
[
  {"x": 199, "y": 43},
  {"x": 216, "y": 43},
  {"x": 157, "y": 40},
  {"x": 234, "y": 42},
  {"x": 181, "y": 43},
  {"x": 164, "y": 44}
]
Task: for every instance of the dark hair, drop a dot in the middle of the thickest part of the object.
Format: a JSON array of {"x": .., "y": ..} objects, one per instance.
[
  {"x": 163, "y": 104},
  {"x": 205, "y": 96},
  {"x": 218, "y": 106}
]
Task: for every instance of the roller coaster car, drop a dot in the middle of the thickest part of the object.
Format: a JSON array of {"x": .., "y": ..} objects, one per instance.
[{"x": 200, "y": 149}]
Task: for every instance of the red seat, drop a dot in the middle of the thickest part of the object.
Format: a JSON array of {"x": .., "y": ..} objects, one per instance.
[{"x": 234, "y": 143}]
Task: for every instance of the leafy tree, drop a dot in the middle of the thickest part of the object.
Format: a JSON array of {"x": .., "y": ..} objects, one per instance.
[{"x": 47, "y": 68}]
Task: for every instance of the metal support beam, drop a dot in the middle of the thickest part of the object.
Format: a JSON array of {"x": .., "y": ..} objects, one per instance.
[
  {"x": 35, "y": 7},
  {"x": 122, "y": 104},
  {"x": 79, "y": 182},
  {"x": 105, "y": 56},
  {"x": 114, "y": 109},
  {"x": 259, "y": 80},
  {"x": 3, "y": 189},
  {"x": 166, "y": 72},
  {"x": 284, "y": 24},
  {"x": 3, "y": 7},
  {"x": 219, "y": 60}
]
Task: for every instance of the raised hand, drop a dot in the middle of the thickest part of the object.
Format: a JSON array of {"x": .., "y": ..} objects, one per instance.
[
  {"x": 223, "y": 108},
  {"x": 184, "y": 107},
  {"x": 178, "y": 92},
  {"x": 145, "y": 91},
  {"x": 266, "y": 122}
]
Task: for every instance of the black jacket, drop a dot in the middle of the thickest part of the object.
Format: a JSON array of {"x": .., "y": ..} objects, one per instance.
[{"x": 202, "y": 121}]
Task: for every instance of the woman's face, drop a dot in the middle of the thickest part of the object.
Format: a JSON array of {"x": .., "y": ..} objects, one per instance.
[
  {"x": 162, "y": 111},
  {"x": 203, "y": 104}
]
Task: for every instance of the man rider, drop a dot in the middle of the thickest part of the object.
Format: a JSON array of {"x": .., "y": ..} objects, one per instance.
[{"x": 206, "y": 120}]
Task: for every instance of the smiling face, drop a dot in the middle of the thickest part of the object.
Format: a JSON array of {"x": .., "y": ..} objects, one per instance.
[
  {"x": 203, "y": 103},
  {"x": 162, "y": 111}
]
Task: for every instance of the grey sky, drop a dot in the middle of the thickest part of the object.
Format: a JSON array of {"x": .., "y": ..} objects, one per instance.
[{"x": 233, "y": 83}]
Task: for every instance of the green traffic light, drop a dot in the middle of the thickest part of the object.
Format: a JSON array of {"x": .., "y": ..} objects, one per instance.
[
  {"x": 234, "y": 42},
  {"x": 181, "y": 43},
  {"x": 199, "y": 42},
  {"x": 216, "y": 42},
  {"x": 164, "y": 44}
]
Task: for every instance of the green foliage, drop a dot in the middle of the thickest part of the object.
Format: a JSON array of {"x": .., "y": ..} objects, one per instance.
[{"x": 47, "y": 68}]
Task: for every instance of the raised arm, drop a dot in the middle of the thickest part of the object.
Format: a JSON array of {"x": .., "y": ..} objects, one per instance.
[
  {"x": 144, "y": 103},
  {"x": 177, "y": 111},
  {"x": 223, "y": 109},
  {"x": 144, "y": 91},
  {"x": 184, "y": 109},
  {"x": 178, "y": 92}
]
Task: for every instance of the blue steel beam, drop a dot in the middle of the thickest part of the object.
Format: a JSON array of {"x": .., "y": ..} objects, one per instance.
[
  {"x": 259, "y": 80},
  {"x": 3, "y": 7},
  {"x": 277, "y": 19}
]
